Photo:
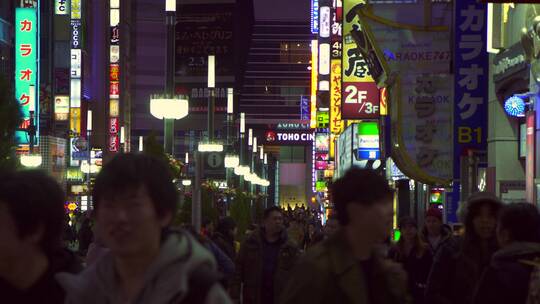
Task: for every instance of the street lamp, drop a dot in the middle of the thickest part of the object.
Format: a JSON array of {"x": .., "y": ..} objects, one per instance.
[
  {"x": 231, "y": 161},
  {"x": 31, "y": 160},
  {"x": 210, "y": 147}
]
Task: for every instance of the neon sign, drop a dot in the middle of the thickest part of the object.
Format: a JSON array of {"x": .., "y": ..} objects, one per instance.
[{"x": 26, "y": 72}]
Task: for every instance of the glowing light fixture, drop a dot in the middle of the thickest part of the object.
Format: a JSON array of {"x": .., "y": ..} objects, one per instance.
[
  {"x": 186, "y": 182},
  {"x": 515, "y": 106},
  {"x": 170, "y": 5},
  {"x": 241, "y": 170},
  {"x": 242, "y": 123},
  {"x": 231, "y": 161},
  {"x": 31, "y": 160},
  {"x": 210, "y": 147},
  {"x": 169, "y": 108},
  {"x": 230, "y": 101}
]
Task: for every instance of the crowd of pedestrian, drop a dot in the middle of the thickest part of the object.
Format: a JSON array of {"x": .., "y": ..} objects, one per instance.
[{"x": 127, "y": 251}]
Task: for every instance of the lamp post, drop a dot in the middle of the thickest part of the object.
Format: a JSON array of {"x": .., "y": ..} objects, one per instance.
[
  {"x": 169, "y": 107},
  {"x": 241, "y": 146},
  {"x": 89, "y": 148},
  {"x": 170, "y": 22}
]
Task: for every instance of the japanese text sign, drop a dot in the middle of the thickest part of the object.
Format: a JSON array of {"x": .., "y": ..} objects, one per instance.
[
  {"x": 25, "y": 63},
  {"x": 471, "y": 85},
  {"x": 360, "y": 100},
  {"x": 336, "y": 124}
]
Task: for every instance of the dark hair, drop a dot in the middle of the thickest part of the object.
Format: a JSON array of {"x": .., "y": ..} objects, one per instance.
[
  {"x": 35, "y": 201},
  {"x": 269, "y": 210},
  {"x": 361, "y": 186},
  {"x": 474, "y": 205},
  {"x": 130, "y": 171},
  {"x": 522, "y": 221},
  {"x": 226, "y": 224}
]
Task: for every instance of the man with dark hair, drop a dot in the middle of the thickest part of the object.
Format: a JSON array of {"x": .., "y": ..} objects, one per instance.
[
  {"x": 135, "y": 200},
  {"x": 506, "y": 280},
  {"x": 31, "y": 226},
  {"x": 347, "y": 268},
  {"x": 264, "y": 262}
]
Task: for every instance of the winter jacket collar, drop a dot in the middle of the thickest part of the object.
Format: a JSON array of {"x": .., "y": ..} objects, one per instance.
[
  {"x": 515, "y": 251},
  {"x": 346, "y": 268},
  {"x": 166, "y": 280},
  {"x": 257, "y": 237}
]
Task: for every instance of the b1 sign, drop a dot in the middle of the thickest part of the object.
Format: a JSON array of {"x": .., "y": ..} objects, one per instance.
[{"x": 360, "y": 100}]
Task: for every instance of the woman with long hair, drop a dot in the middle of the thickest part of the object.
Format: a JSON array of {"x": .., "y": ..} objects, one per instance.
[
  {"x": 458, "y": 266},
  {"x": 414, "y": 254}
]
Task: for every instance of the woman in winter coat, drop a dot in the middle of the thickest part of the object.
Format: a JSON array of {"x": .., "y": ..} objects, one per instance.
[
  {"x": 458, "y": 266},
  {"x": 507, "y": 278},
  {"x": 415, "y": 257}
]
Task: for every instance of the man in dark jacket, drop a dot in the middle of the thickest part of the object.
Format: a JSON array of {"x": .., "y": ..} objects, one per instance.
[
  {"x": 264, "y": 262},
  {"x": 31, "y": 226},
  {"x": 458, "y": 266},
  {"x": 507, "y": 278},
  {"x": 346, "y": 268}
]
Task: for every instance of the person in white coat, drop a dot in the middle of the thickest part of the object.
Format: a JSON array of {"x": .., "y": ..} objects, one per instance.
[{"x": 134, "y": 202}]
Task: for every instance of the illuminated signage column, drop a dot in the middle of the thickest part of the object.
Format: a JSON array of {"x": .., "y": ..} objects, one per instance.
[
  {"x": 337, "y": 125},
  {"x": 321, "y": 142},
  {"x": 114, "y": 77},
  {"x": 26, "y": 69},
  {"x": 76, "y": 69}
]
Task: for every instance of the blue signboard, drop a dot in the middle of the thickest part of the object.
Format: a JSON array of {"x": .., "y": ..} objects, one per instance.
[
  {"x": 305, "y": 108},
  {"x": 368, "y": 153},
  {"x": 471, "y": 87},
  {"x": 314, "y": 16}
]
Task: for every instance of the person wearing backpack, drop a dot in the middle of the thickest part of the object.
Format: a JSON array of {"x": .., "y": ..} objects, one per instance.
[
  {"x": 507, "y": 278},
  {"x": 134, "y": 202}
]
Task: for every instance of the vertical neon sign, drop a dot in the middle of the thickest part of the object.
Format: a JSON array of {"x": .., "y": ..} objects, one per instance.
[
  {"x": 26, "y": 72},
  {"x": 114, "y": 76}
]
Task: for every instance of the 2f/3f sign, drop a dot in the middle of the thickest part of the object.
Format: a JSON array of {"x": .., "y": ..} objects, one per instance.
[{"x": 360, "y": 100}]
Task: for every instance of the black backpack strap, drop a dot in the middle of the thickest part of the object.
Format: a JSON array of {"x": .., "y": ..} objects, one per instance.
[{"x": 200, "y": 282}]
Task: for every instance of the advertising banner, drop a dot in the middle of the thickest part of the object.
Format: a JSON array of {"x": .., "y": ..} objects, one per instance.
[
  {"x": 75, "y": 121},
  {"x": 202, "y": 30},
  {"x": 26, "y": 72},
  {"x": 76, "y": 34},
  {"x": 305, "y": 109},
  {"x": 360, "y": 100},
  {"x": 368, "y": 141},
  {"x": 471, "y": 84},
  {"x": 61, "y": 107},
  {"x": 336, "y": 122},
  {"x": 288, "y": 137},
  {"x": 422, "y": 95},
  {"x": 360, "y": 93},
  {"x": 344, "y": 157},
  {"x": 61, "y": 7}
]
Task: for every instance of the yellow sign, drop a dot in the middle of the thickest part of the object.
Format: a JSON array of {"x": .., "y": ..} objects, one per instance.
[
  {"x": 76, "y": 9},
  {"x": 384, "y": 101},
  {"x": 75, "y": 120},
  {"x": 114, "y": 108},
  {"x": 355, "y": 68},
  {"x": 314, "y": 72},
  {"x": 336, "y": 124}
]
